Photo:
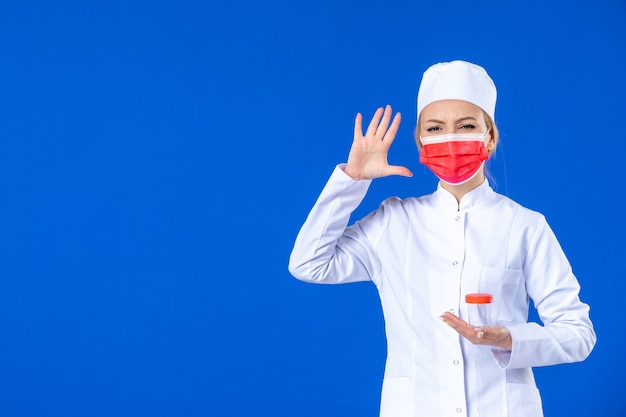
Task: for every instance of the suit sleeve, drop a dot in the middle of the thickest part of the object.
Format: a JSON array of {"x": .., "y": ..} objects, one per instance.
[
  {"x": 326, "y": 250},
  {"x": 567, "y": 333}
]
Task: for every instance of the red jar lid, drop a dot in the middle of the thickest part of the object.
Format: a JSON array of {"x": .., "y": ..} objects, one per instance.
[{"x": 479, "y": 298}]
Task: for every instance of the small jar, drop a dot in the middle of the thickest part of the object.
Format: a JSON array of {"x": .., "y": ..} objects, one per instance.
[{"x": 478, "y": 306}]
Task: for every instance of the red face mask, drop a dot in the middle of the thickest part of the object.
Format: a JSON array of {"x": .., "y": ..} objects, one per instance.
[{"x": 455, "y": 158}]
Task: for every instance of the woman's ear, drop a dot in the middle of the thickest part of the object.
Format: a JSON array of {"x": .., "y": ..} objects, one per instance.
[
  {"x": 491, "y": 144},
  {"x": 416, "y": 134}
]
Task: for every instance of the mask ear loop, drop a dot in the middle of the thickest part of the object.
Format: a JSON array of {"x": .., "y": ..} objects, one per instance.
[{"x": 490, "y": 141}]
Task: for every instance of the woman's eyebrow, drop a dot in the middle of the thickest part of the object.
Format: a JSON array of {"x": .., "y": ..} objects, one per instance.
[{"x": 462, "y": 119}]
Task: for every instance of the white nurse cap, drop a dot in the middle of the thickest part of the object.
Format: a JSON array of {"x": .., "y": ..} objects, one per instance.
[{"x": 457, "y": 80}]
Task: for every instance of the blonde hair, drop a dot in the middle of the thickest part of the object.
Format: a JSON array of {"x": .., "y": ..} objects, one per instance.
[{"x": 491, "y": 126}]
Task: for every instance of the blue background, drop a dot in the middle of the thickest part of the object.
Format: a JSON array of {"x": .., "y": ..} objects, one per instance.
[{"x": 157, "y": 159}]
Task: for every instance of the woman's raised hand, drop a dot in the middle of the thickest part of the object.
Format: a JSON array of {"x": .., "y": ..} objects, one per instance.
[{"x": 368, "y": 155}]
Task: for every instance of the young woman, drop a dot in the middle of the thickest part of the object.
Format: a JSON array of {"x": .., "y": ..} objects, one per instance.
[{"x": 425, "y": 254}]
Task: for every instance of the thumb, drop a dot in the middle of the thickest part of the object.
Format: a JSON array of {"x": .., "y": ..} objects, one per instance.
[{"x": 399, "y": 170}]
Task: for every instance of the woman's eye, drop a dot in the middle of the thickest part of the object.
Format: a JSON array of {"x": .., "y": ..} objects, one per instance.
[
  {"x": 468, "y": 126},
  {"x": 433, "y": 129}
]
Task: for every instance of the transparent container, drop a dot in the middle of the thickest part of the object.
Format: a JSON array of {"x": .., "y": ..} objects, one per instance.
[{"x": 478, "y": 305}]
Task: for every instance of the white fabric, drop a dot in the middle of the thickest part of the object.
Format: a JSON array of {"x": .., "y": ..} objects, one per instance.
[
  {"x": 453, "y": 137},
  {"x": 424, "y": 254},
  {"x": 457, "y": 80}
]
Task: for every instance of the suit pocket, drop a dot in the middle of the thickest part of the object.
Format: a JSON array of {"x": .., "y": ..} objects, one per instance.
[
  {"x": 523, "y": 400},
  {"x": 396, "y": 398},
  {"x": 504, "y": 285}
]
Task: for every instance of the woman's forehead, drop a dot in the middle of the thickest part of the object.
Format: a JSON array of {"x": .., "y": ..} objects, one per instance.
[{"x": 451, "y": 109}]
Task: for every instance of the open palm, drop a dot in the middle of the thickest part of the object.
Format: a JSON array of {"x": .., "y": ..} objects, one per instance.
[{"x": 368, "y": 155}]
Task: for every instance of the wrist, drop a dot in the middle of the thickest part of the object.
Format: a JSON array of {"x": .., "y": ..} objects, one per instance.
[{"x": 352, "y": 173}]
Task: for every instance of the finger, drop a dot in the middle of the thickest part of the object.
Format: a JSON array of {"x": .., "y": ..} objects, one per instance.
[
  {"x": 371, "y": 129},
  {"x": 462, "y": 327},
  {"x": 451, "y": 318},
  {"x": 384, "y": 123},
  {"x": 487, "y": 335},
  {"x": 492, "y": 332},
  {"x": 456, "y": 323},
  {"x": 358, "y": 126},
  {"x": 400, "y": 170},
  {"x": 496, "y": 335},
  {"x": 393, "y": 129},
  {"x": 480, "y": 336}
]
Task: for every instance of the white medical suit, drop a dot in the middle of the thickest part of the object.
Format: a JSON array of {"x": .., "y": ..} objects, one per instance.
[{"x": 424, "y": 254}]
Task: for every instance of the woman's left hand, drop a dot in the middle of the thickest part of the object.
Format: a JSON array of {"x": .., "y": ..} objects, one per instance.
[{"x": 498, "y": 336}]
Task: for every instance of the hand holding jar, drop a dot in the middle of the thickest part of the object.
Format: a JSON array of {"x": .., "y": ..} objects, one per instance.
[{"x": 478, "y": 330}]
